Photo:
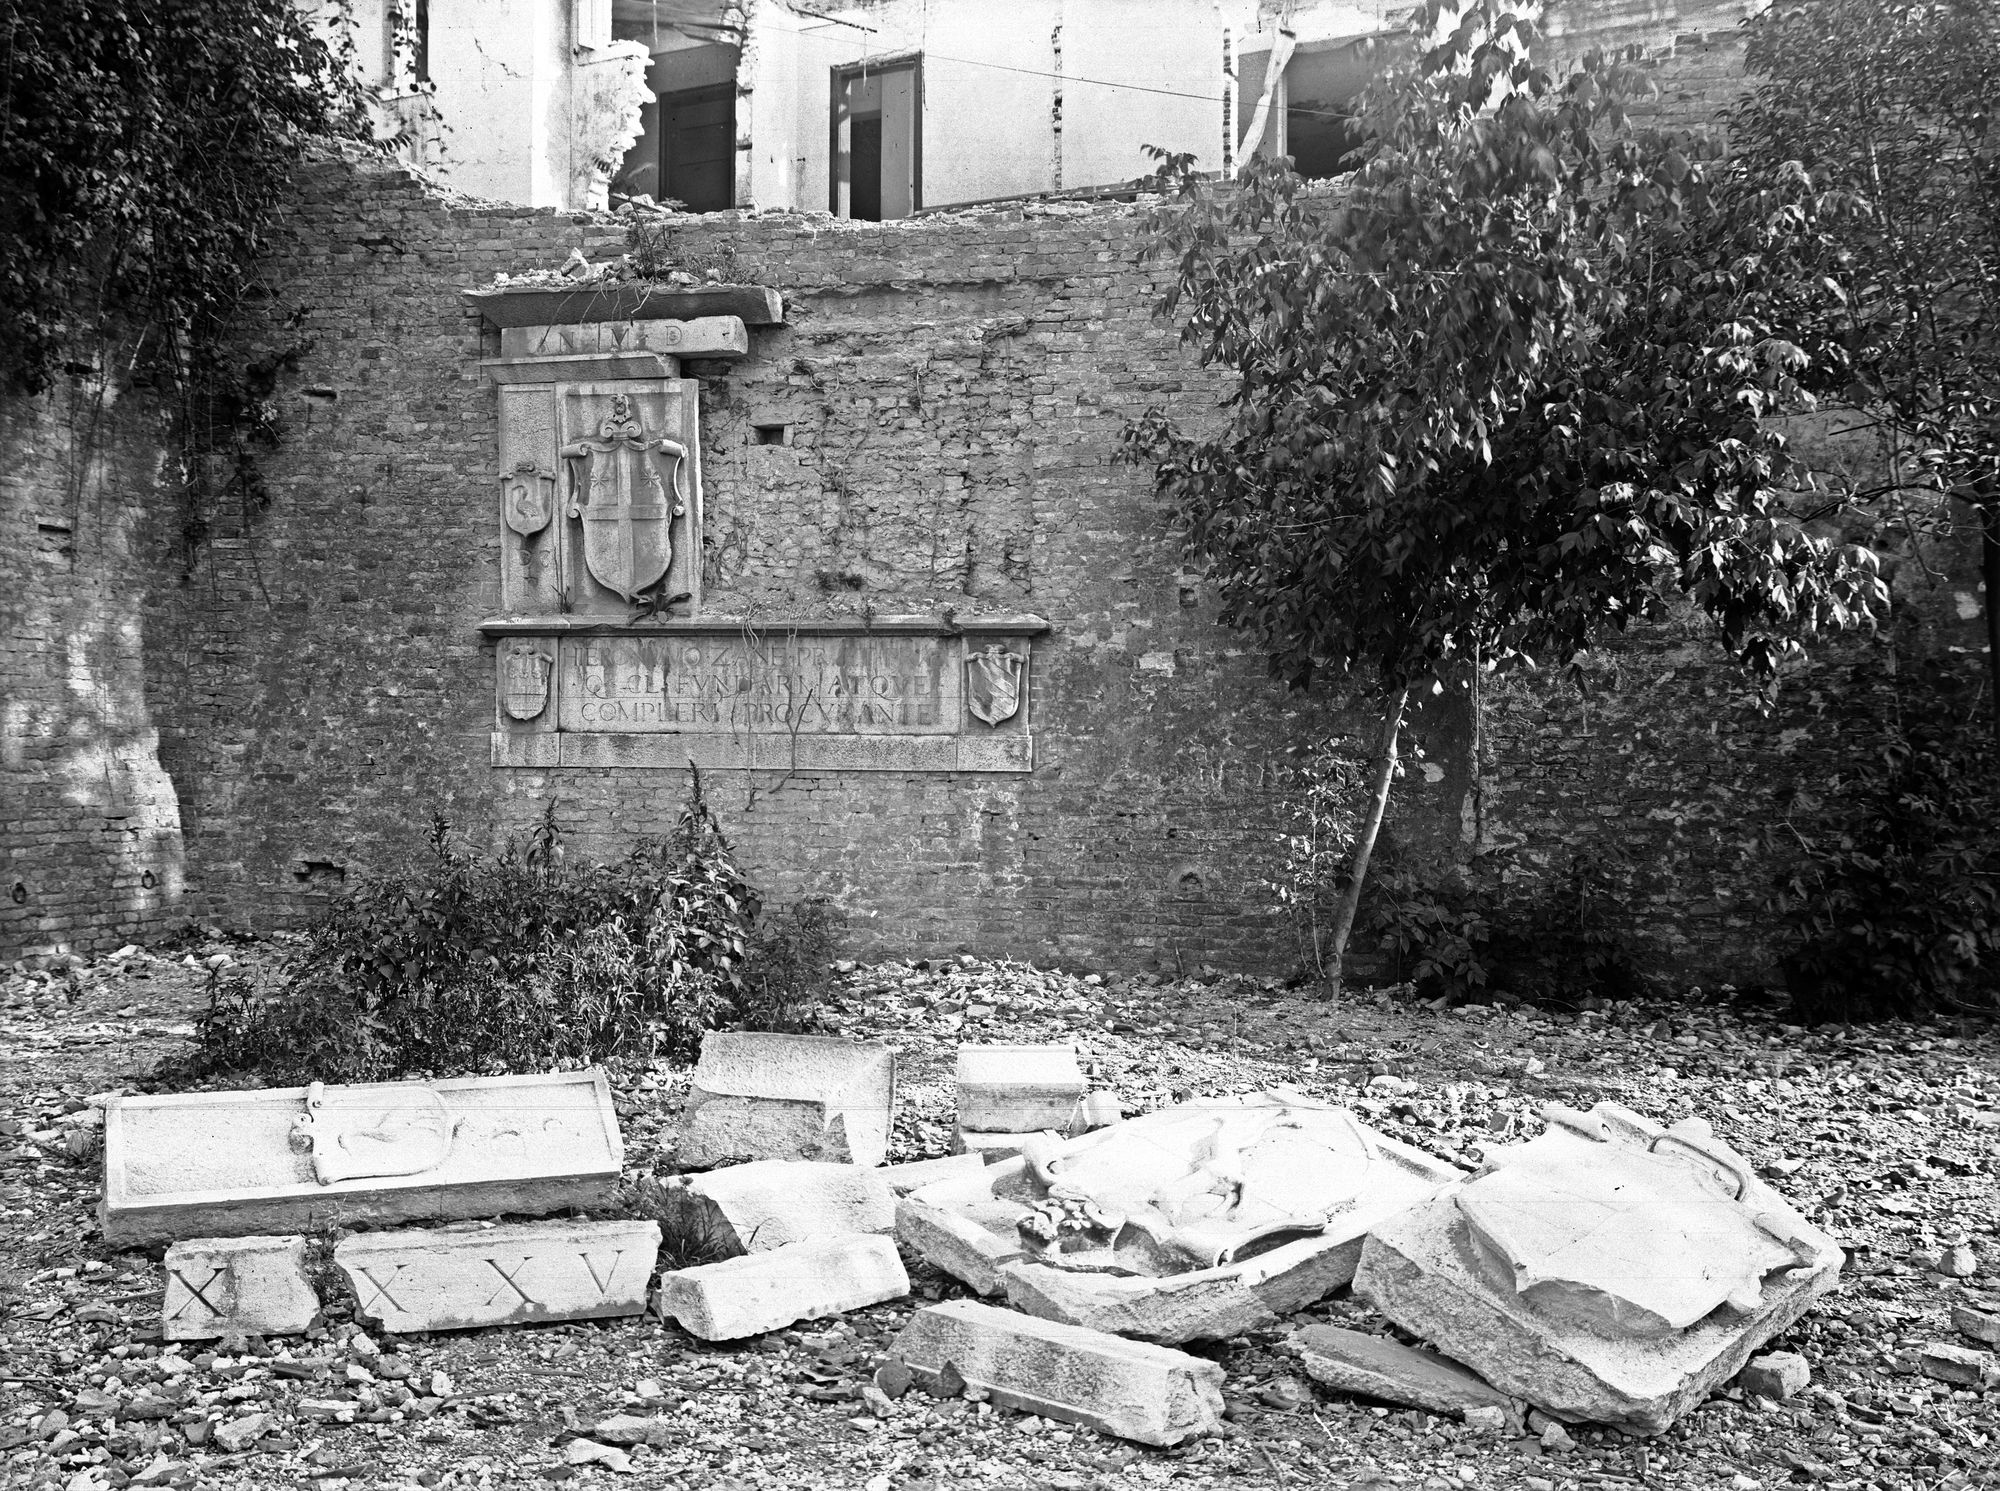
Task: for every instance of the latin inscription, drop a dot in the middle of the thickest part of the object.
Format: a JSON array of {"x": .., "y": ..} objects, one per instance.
[{"x": 762, "y": 685}]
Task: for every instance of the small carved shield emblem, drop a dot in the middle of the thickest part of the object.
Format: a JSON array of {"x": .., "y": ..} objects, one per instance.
[
  {"x": 996, "y": 680},
  {"x": 619, "y": 487},
  {"x": 524, "y": 674},
  {"x": 352, "y": 1132},
  {"x": 527, "y": 499}
]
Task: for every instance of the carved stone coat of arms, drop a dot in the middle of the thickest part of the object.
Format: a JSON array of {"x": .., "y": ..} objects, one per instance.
[
  {"x": 996, "y": 681},
  {"x": 628, "y": 487},
  {"x": 524, "y": 689}
]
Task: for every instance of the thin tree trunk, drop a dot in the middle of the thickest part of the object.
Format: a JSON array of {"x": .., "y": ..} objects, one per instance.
[
  {"x": 1989, "y": 572},
  {"x": 1378, "y": 804}
]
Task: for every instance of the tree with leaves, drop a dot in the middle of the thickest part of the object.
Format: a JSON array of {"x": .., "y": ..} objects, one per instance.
[
  {"x": 1891, "y": 110},
  {"x": 1499, "y": 392}
]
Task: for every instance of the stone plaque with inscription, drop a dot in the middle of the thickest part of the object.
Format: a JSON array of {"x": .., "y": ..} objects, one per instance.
[
  {"x": 451, "y": 1279},
  {"x": 287, "y": 1159}
]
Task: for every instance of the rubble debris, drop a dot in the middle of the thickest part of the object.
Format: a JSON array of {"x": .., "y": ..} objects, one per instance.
[
  {"x": 229, "y": 1164},
  {"x": 769, "y": 1203},
  {"x": 1980, "y": 1325},
  {"x": 1018, "y": 1089},
  {"x": 759, "y": 1096},
  {"x": 1151, "y": 1394},
  {"x": 764, "y": 1291},
  {"x": 1775, "y": 1374},
  {"x": 456, "y": 1279},
  {"x": 1199, "y": 1221},
  {"x": 1378, "y": 1367},
  {"x": 1609, "y": 1271},
  {"x": 241, "y": 1286}
]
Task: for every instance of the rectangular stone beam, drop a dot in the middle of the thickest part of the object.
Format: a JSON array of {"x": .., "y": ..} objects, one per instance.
[
  {"x": 710, "y": 336},
  {"x": 440, "y": 1280},
  {"x": 565, "y": 305}
]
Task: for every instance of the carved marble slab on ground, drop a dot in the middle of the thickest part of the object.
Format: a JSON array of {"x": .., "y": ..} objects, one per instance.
[
  {"x": 1377, "y": 1367},
  {"x": 247, "y": 1286},
  {"x": 788, "y": 1097},
  {"x": 1136, "y": 1391},
  {"x": 1610, "y": 1270},
  {"x": 225, "y": 1164},
  {"x": 458, "y": 1278},
  {"x": 1199, "y": 1221},
  {"x": 1018, "y": 1089},
  {"x": 761, "y": 1292},
  {"x": 768, "y": 1203}
]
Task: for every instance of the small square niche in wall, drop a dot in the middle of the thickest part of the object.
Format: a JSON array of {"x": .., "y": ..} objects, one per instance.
[{"x": 773, "y": 434}]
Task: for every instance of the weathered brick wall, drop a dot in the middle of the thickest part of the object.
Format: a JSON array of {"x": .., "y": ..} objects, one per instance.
[
  {"x": 90, "y": 848},
  {"x": 955, "y": 388}
]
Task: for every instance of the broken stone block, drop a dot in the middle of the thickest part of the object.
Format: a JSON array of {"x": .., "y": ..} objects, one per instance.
[
  {"x": 992, "y": 1149},
  {"x": 250, "y": 1286},
  {"x": 1981, "y": 1325},
  {"x": 1776, "y": 1374},
  {"x": 1377, "y": 1367},
  {"x": 766, "y": 1291},
  {"x": 768, "y": 1203},
  {"x": 1134, "y": 1390},
  {"x": 917, "y": 1174},
  {"x": 294, "y": 1159},
  {"x": 788, "y": 1097},
  {"x": 1609, "y": 1271},
  {"x": 1018, "y": 1089},
  {"x": 1959, "y": 1365},
  {"x": 1196, "y": 1222},
  {"x": 456, "y": 1279}
]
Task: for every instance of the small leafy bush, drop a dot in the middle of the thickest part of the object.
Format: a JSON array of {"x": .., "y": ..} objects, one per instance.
[
  {"x": 521, "y": 960},
  {"x": 788, "y": 981},
  {"x": 1896, "y": 909}
]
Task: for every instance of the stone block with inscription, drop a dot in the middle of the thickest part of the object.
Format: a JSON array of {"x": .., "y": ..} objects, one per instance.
[
  {"x": 788, "y": 1097},
  {"x": 249, "y": 1286},
  {"x": 767, "y": 1291},
  {"x": 459, "y": 1278},
  {"x": 224, "y": 1164}
]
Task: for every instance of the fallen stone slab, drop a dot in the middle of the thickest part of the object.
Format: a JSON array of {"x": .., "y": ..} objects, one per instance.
[
  {"x": 1959, "y": 1365},
  {"x": 769, "y": 1203},
  {"x": 1151, "y": 1394},
  {"x": 1197, "y": 1222},
  {"x": 1609, "y": 1271},
  {"x": 457, "y": 1279},
  {"x": 767, "y": 1291},
  {"x": 915, "y": 1175},
  {"x": 1018, "y": 1089},
  {"x": 1981, "y": 1325},
  {"x": 250, "y": 1286},
  {"x": 300, "y": 1159},
  {"x": 1377, "y": 1367},
  {"x": 759, "y": 1096}
]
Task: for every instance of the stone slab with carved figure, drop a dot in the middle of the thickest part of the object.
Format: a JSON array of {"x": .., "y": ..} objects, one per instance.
[
  {"x": 432, "y": 1279},
  {"x": 292, "y": 1159}
]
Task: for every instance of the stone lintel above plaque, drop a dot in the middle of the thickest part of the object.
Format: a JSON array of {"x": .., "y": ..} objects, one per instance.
[
  {"x": 917, "y": 623},
  {"x": 568, "y": 305},
  {"x": 586, "y": 367}
]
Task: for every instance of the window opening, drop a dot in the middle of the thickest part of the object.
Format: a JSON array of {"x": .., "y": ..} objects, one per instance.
[{"x": 877, "y": 144}]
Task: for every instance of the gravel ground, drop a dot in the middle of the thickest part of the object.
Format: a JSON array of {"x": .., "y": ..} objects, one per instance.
[{"x": 1886, "y": 1136}]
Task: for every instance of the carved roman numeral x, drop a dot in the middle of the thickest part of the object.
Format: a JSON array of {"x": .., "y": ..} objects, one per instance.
[
  {"x": 199, "y": 1291},
  {"x": 526, "y": 1298},
  {"x": 381, "y": 1288},
  {"x": 610, "y": 1270}
]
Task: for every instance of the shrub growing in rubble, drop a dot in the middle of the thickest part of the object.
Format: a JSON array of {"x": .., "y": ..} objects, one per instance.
[{"x": 523, "y": 959}]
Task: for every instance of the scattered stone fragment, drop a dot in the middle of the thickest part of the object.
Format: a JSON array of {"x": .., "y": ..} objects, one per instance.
[
  {"x": 759, "y": 1096},
  {"x": 764, "y": 1291},
  {"x": 426, "y": 1280},
  {"x": 1488, "y": 1418},
  {"x": 627, "y": 1429},
  {"x": 1101, "y": 1110},
  {"x": 252, "y": 1286},
  {"x": 1586, "y": 1270},
  {"x": 221, "y": 1164},
  {"x": 1776, "y": 1374},
  {"x": 1959, "y": 1365},
  {"x": 590, "y": 1452},
  {"x": 1959, "y": 1261},
  {"x": 1151, "y": 1394},
  {"x": 239, "y": 1434},
  {"x": 914, "y": 1176},
  {"x": 769, "y": 1203},
  {"x": 893, "y": 1378},
  {"x": 1377, "y": 1367},
  {"x": 1555, "y": 1437},
  {"x": 1981, "y": 1325},
  {"x": 1018, "y": 1089}
]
